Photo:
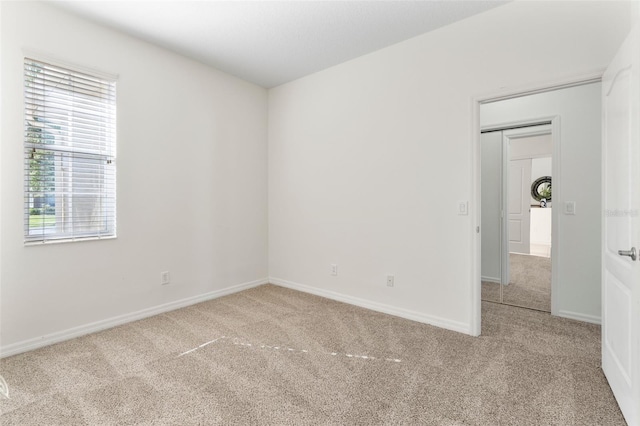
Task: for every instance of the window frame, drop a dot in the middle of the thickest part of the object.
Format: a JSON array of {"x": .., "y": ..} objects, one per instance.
[{"x": 98, "y": 154}]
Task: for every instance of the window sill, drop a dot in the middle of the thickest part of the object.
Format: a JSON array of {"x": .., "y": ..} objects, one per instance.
[{"x": 67, "y": 240}]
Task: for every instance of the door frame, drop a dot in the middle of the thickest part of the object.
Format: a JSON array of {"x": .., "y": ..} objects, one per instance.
[
  {"x": 475, "y": 190},
  {"x": 528, "y": 128}
]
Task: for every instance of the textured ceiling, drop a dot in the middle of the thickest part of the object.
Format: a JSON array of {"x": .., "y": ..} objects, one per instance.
[{"x": 272, "y": 42}]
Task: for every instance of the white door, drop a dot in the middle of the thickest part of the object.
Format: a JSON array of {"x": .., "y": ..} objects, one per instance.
[
  {"x": 621, "y": 227},
  {"x": 519, "y": 205}
]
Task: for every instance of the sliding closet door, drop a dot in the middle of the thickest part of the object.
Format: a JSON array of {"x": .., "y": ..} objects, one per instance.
[{"x": 491, "y": 175}]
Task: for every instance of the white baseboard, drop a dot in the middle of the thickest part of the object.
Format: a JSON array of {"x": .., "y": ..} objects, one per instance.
[
  {"x": 491, "y": 279},
  {"x": 580, "y": 317},
  {"x": 60, "y": 336},
  {"x": 376, "y": 306}
]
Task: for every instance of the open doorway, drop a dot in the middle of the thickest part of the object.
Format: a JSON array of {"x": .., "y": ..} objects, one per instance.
[
  {"x": 574, "y": 115},
  {"x": 517, "y": 202}
]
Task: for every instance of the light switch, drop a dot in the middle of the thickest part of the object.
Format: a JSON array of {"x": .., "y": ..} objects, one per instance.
[
  {"x": 463, "y": 208},
  {"x": 570, "y": 207}
]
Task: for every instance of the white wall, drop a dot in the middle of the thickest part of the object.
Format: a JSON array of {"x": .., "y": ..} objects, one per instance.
[
  {"x": 192, "y": 193},
  {"x": 530, "y": 147},
  {"x": 368, "y": 159},
  {"x": 578, "y": 243},
  {"x": 541, "y": 167}
]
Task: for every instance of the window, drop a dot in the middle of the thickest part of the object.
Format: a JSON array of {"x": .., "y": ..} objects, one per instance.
[{"x": 70, "y": 153}]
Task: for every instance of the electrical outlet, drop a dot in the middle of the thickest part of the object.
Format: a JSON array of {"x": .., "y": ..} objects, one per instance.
[
  {"x": 334, "y": 269},
  {"x": 164, "y": 278},
  {"x": 389, "y": 280}
]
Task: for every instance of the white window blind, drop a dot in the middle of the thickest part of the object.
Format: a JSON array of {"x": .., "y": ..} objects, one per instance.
[{"x": 69, "y": 154}]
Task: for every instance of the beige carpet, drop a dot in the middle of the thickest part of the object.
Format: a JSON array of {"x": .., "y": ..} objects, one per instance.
[
  {"x": 529, "y": 285},
  {"x": 279, "y": 357}
]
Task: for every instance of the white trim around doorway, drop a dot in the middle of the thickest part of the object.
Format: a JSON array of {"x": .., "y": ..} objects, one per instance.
[{"x": 475, "y": 211}]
